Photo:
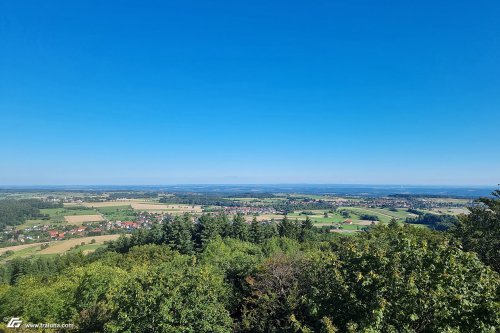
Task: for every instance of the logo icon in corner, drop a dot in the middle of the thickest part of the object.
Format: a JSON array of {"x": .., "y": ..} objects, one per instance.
[{"x": 14, "y": 322}]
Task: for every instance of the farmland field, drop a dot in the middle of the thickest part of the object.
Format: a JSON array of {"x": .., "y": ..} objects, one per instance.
[
  {"x": 108, "y": 203},
  {"x": 62, "y": 216},
  {"x": 56, "y": 247},
  {"x": 79, "y": 219},
  {"x": 16, "y": 248},
  {"x": 66, "y": 245},
  {"x": 118, "y": 213}
]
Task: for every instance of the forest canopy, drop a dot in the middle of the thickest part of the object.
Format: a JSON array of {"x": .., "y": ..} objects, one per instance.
[{"x": 218, "y": 273}]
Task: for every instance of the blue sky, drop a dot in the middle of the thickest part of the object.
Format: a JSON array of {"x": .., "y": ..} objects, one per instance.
[{"x": 160, "y": 92}]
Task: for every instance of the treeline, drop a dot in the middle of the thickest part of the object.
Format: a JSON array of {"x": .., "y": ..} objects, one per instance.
[
  {"x": 368, "y": 217},
  {"x": 257, "y": 195},
  {"x": 203, "y": 200},
  {"x": 390, "y": 279},
  {"x": 286, "y": 206},
  {"x": 434, "y": 221},
  {"x": 181, "y": 234},
  {"x": 434, "y": 196},
  {"x": 16, "y": 212},
  {"x": 132, "y": 195}
]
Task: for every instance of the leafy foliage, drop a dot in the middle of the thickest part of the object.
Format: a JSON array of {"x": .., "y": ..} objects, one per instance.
[
  {"x": 479, "y": 231},
  {"x": 217, "y": 275}
]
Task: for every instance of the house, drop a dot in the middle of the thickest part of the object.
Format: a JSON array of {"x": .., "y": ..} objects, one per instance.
[
  {"x": 56, "y": 234},
  {"x": 129, "y": 225}
]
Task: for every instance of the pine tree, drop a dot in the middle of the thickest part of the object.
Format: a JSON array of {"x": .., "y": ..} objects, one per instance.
[
  {"x": 256, "y": 232},
  {"x": 288, "y": 228},
  {"x": 239, "y": 228},
  {"x": 306, "y": 229},
  {"x": 179, "y": 234},
  {"x": 225, "y": 225},
  {"x": 207, "y": 228}
]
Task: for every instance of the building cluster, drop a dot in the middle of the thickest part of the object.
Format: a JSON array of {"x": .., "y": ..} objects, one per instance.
[
  {"x": 249, "y": 210},
  {"x": 48, "y": 232}
]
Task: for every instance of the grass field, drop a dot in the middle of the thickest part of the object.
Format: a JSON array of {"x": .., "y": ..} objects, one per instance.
[
  {"x": 118, "y": 213},
  {"x": 16, "y": 248},
  {"x": 384, "y": 215}
]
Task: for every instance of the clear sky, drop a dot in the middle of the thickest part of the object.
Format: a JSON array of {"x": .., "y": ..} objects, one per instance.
[{"x": 160, "y": 92}]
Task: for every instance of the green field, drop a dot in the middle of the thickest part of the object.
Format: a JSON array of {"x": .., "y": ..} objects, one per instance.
[
  {"x": 118, "y": 213},
  {"x": 56, "y": 216},
  {"x": 384, "y": 215}
]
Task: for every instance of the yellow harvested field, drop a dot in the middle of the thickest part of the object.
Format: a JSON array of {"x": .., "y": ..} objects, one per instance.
[
  {"x": 105, "y": 204},
  {"x": 79, "y": 219},
  {"x": 146, "y": 206},
  {"x": 66, "y": 245}
]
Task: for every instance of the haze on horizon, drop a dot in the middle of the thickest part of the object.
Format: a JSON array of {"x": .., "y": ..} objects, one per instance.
[{"x": 227, "y": 92}]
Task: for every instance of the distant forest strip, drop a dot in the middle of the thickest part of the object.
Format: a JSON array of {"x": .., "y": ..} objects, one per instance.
[
  {"x": 16, "y": 212},
  {"x": 433, "y": 196},
  {"x": 434, "y": 221}
]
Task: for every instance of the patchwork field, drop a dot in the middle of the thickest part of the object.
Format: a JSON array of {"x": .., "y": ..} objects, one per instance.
[
  {"x": 63, "y": 216},
  {"x": 148, "y": 206}
]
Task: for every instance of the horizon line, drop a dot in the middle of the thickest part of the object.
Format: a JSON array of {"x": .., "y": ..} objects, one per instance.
[{"x": 4, "y": 186}]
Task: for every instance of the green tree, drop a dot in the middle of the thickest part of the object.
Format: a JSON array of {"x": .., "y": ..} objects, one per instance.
[
  {"x": 208, "y": 227},
  {"x": 172, "y": 297},
  {"x": 178, "y": 234},
  {"x": 256, "y": 233},
  {"x": 288, "y": 228},
  {"x": 479, "y": 231},
  {"x": 306, "y": 230},
  {"x": 403, "y": 280},
  {"x": 97, "y": 284},
  {"x": 239, "y": 228}
]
